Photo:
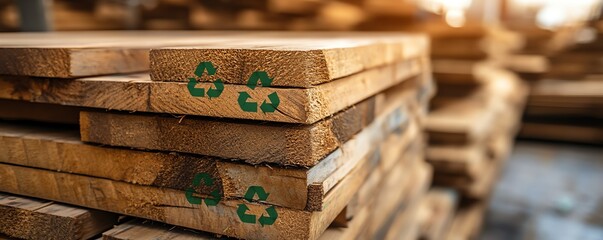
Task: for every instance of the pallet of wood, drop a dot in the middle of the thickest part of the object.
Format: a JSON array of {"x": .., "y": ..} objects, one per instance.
[{"x": 246, "y": 135}]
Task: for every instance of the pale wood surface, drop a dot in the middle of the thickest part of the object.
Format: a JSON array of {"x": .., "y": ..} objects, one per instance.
[
  {"x": 466, "y": 160},
  {"x": 71, "y": 54},
  {"x": 293, "y": 59},
  {"x": 463, "y": 121},
  {"x": 138, "y": 93},
  {"x": 30, "y": 218}
]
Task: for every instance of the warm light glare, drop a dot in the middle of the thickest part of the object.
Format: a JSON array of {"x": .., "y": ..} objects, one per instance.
[
  {"x": 552, "y": 14},
  {"x": 455, "y": 18},
  {"x": 453, "y": 10}
]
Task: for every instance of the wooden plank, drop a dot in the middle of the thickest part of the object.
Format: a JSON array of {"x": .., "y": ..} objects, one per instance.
[
  {"x": 144, "y": 229},
  {"x": 297, "y": 105},
  {"x": 392, "y": 226},
  {"x": 568, "y": 88},
  {"x": 481, "y": 186},
  {"x": 364, "y": 213},
  {"x": 455, "y": 71},
  {"x": 458, "y": 160},
  {"x": 562, "y": 132},
  {"x": 72, "y": 54},
  {"x": 289, "y": 145},
  {"x": 472, "y": 118},
  {"x": 373, "y": 184},
  {"x": 170, "y": 206},
  {"x": 29, "y": 218},
  {"x": 35, "y": 145},
  {"x": 300, "y": 60},
  {"x": 41, "y": 112},
  {"x": 526, "y": 63},
  {"x": 437, "y": 211},
  {"x": 461, "y": 122}
]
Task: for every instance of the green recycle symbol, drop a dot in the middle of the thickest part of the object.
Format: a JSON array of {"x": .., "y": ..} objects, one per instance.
[
  {"x": 250, "y": 218},
  {"x": 252, "y": 82},
  {"x": 208, "y": 182},
  {"x": 214, "y": 91}
]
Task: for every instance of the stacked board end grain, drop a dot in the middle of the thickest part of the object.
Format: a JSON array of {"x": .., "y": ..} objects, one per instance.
[
  {"x": 472, "y": 121},
  {"x": 471, "y": 136},
  {"x": 255, "y": 136}
]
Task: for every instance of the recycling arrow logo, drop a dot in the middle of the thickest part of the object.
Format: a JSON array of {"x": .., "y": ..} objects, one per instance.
[
  {"x": 214, "y": 91},
  {"x": 252, "y": 82},
  {"x": 215, "y": 194},
  {"x": 250, "y": 218}
]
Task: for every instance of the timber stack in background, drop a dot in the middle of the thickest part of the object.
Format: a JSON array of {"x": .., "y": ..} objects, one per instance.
[
  {"x": 565, "y": 103},
  {"x": 257, "y": 135},
  {"x": 473, "y": 118}
]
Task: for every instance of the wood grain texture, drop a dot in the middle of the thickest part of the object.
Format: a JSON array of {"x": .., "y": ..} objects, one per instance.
[
  {"x": 138, "y": 93},
  {"x": 466, "y": 161},
  {"x": 294, "y": 60},
  {"x": 75, "y": 54},
  {"x": 302, "y": 145},
  {"x": 170, "y": 206},
  {"x": 139, "y": 228},
  {"x": 333, "y": 55},
  {"x": 372, "y": 185},
  {"x": 29, "y": 218},
  {"x": 409, "y": 173},
  {"x": 33, "y": 146}
]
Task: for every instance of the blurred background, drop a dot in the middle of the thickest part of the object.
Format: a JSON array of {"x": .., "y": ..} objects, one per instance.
[{"x": 551, "y": 186}]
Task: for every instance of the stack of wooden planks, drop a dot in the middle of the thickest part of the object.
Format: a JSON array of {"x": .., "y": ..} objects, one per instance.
[
  {"x": 566, "y": 104},
  {"x": 472, "y": 123},
  {"x": 220, "y": 15},
  {"x": 249, "y": 135}
]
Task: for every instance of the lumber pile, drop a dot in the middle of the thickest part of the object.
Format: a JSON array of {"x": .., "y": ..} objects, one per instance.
[
  {"x": 472, "y": 122},
  {"x": 255, "y": 136},
  {"x": 566, "y": 104}
]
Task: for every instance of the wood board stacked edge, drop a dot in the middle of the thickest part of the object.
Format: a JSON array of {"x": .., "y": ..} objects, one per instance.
[{"x": 29, "y": 218}]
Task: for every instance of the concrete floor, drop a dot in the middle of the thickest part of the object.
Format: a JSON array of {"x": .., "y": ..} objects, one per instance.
[{"x": 548, "y": 191}]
